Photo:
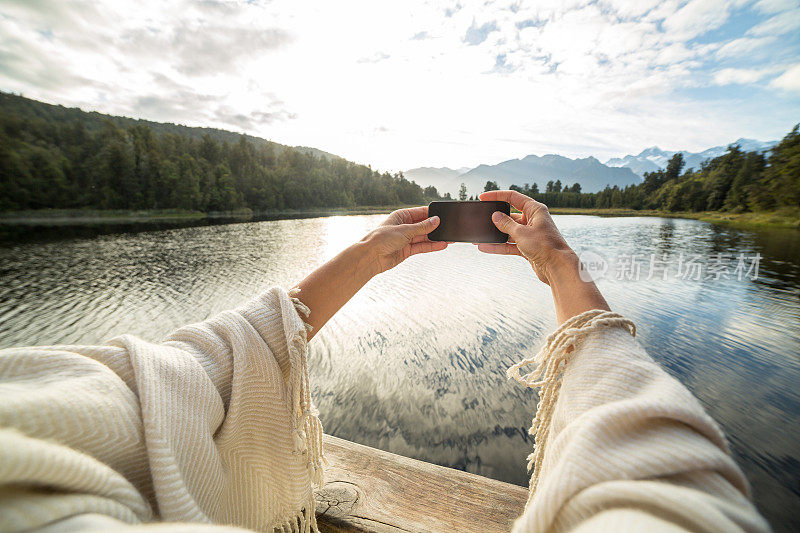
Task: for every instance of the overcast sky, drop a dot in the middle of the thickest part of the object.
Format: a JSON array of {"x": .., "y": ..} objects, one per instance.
[{"x": 413, "y": 83}]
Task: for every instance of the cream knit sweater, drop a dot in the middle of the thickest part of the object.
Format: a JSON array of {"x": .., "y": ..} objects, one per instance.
[
  {"x": 215, "y": 425},
  {"x": 620, "y": 445}
]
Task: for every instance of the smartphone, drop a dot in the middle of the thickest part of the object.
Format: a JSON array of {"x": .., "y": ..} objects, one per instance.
[{"x": 467, "y": 221}]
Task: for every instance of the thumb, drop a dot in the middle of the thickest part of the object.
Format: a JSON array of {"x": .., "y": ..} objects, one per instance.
[
  {"x": 424, "y": 227},
  {"x": 504, "y": 223}
]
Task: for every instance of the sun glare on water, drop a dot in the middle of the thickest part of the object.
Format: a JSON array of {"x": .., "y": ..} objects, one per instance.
[{"x": 341, "y": 232}]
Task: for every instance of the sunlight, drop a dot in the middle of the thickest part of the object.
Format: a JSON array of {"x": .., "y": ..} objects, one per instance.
[
  {"x": 342, "y": 231},
  {"x": 212, "y": 181}
]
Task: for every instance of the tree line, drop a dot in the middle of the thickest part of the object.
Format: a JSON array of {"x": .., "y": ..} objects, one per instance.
[
  {"x": 736, "y": 181},
  {"x": 53, "y": 157}
]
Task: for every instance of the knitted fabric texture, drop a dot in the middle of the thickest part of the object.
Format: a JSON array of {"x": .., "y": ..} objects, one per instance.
[
  {"x": 214, "y": 425},
  {"x": 549, "y": 363},
  {"x": 622, "y": 446}
]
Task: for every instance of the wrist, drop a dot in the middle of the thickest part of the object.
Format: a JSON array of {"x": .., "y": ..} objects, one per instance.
[
  {"x": 363, "y": 256},
  {"x": 572, "y": 294},
  {"x": 561, "y": 264}
]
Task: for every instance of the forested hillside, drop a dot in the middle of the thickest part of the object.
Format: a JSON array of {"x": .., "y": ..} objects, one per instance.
[
  {"x": 55, "y": 157},
  {"x": 736, "y": 181}
]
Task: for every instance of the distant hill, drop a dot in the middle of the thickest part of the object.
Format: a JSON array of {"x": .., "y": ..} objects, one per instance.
[
  {"x": 654, "y": 158},
  {"x": 589, "y": 172},
  {"x": 53, "y": 157},
  {"x": 444, "y": 179},
  {"x": 13, "y": 104}
]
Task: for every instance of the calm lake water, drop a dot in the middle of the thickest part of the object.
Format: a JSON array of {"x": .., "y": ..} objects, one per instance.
[{"x": 415, "y": 363}]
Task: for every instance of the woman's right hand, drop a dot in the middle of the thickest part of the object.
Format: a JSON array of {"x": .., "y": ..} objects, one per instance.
[{"x": 532, "y": 234}]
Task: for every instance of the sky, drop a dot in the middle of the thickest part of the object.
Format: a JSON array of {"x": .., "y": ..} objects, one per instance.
[{"x": 422, "y": 83}]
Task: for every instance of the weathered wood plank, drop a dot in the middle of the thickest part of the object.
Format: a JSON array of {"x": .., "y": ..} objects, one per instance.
[{"x": 371, "y": 490}]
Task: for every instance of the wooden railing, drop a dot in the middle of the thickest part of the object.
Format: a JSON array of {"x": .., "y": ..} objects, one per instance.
[{"x": 371, "y": 490}]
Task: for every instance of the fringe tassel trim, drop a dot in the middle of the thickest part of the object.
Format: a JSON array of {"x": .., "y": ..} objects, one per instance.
[
  {"x": 548, "y": 366},
  {"x": 307, "y": 429},
  {"x": 304, "y": 521}
]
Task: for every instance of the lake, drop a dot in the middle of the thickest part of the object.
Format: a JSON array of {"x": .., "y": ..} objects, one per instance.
[{"x": 415, "y": 363}]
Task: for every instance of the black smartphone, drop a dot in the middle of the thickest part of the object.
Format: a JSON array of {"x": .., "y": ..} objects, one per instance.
[{"x": 467, "y": 221}]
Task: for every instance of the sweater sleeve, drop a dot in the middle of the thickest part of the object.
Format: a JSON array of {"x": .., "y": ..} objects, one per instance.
[
  {"x": 620, "y": 445},
  {"x": 213, "y": 425}
]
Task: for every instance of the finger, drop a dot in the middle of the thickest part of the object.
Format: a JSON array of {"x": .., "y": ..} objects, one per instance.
[
  {"x": 519, "y": 218},
  {"x": 505, "y": 223},
  {"x": 425, "y": 247},
  {"x": 415, "y": 214},
  {"x": 419, "y": 238},
  {"x": 501, "y": 249},
  {"x": 424, "y": 227},
  {"x": 418, "y": 213},
  {"x": 407, "y": 215},
  {"x": 517, "y": 199}
]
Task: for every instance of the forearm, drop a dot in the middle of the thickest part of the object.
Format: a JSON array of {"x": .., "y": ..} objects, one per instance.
[
  {"x": 571, "y": 295},
  {"x": 332, "y": 285}
]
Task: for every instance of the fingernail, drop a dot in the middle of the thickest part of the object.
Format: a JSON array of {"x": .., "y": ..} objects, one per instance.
[
  {"x": 496, "y": 216},
  {"x": 434, "y": 220}
]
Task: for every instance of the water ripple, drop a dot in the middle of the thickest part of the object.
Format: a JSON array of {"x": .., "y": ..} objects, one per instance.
[{"x": 415, "y": 363}]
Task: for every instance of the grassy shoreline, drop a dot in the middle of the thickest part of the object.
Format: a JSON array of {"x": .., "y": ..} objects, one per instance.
[
  {"x": 784, "y": 218},
  {"x": 69, "y": 217}
]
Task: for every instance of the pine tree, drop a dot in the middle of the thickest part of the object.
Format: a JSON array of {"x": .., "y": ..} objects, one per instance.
[
  {"x": 782, "y": 177},
  {"x": 674, "y": 167}
]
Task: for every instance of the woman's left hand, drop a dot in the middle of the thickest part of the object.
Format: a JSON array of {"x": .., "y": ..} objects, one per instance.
[{"x": 403, "y": 234}]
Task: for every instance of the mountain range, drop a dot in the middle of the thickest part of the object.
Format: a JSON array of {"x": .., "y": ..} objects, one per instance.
[
  {"x": 654, "y": 158},
  {"x": 589, "y": 171}
]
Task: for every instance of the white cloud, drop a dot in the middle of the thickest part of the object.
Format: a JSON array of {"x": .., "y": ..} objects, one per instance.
[
  {"x": 395, "y": 84},
  {"x": 789, "y": 80},
  {"x": 743, "y": 45},
  {"x": 776, "y": 6},
  {"x": 697, "y": 17},
  {"x": 781, "y": 24},
  {"x": 729, "y": 76},
  {"x": 630, "y": 8}
]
